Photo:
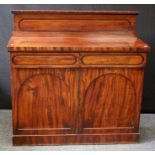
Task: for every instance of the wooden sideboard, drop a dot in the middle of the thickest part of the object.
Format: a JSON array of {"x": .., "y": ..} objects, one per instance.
[{"x": 77, "y": 77}]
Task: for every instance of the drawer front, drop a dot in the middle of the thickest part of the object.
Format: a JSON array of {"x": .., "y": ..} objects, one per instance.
[
  {"x": 114, "y": 60},
  {"x": 45, "y": 60},
  {"x": 65, "y": 60}
]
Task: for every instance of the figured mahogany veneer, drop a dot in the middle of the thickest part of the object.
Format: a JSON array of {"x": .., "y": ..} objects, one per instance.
[
  {"x": 77, "y": 77},
  {"x": 44, "y": 60},
  {"x": 113, "y": 59},
  {"x": 75, "y": 25}
]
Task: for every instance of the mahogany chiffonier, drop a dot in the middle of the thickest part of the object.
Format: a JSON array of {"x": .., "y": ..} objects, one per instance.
[{"x": 77, "y": 77}]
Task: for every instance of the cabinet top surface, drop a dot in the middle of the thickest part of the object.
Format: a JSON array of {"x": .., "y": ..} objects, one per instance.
[
  {"x": 110, "y": 12},
  {"x": 77, "y": 41},
  {"x": 75, "y": 31}
]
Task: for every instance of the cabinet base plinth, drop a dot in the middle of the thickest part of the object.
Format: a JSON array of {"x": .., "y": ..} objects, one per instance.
[{"x": 75, "y": 139}]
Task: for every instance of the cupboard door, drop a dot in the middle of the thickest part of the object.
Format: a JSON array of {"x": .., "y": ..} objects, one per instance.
[
  {"x": 44, "y": 101},
  {"x": 109, "y": 100}
]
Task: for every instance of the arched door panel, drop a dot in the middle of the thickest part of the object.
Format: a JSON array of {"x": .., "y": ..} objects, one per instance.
[
  {"x": 107, "y": 101},
  {"x": 46, "y": 101}
]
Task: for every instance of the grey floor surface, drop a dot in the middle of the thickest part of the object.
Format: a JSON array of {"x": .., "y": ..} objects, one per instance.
[{"x": 147, "y": 138}]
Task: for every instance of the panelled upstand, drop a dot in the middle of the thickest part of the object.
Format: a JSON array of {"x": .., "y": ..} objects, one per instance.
[{"x": 77, "y": 77}]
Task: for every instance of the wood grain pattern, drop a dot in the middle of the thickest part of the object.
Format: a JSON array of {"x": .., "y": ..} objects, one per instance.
[
  {"x": 49, "y": 101},
  {"x": 75, "y": 31},
  {"x": 76, "y": 42},
  {"x": 109, "y": 91},
  {"x": 70, "y": 12},
  {"x": 73, "y": 26},
  {"x": 50, "y": 105},
  {"x": 80, "y": 83},
  {"x": 112, "y": 59},
  {"x": 75, "y": 15},
  {"x": 44, "y": 60},
  {"x": 113, "y": 90},
  {"x": 123, "y": 138}
]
